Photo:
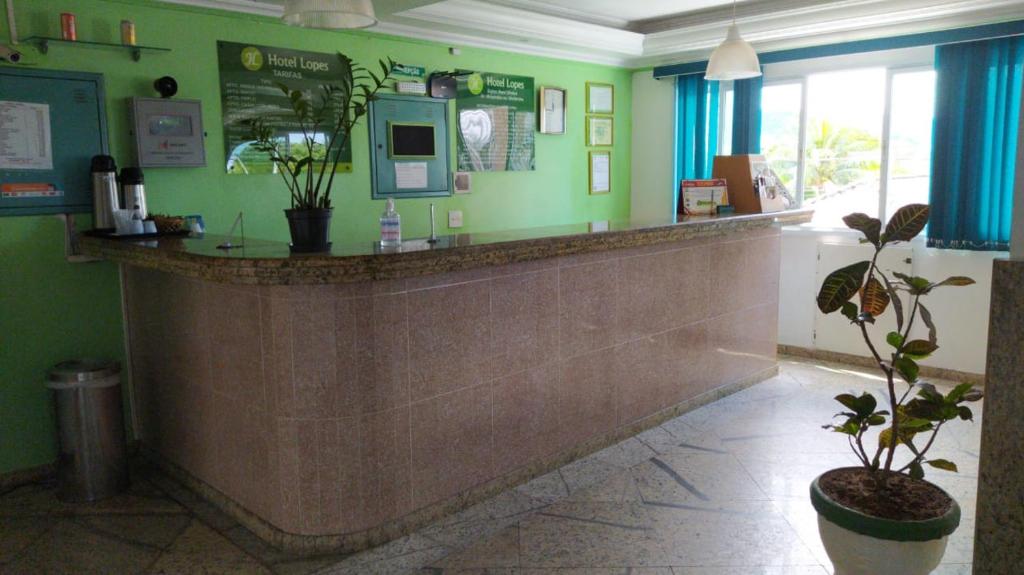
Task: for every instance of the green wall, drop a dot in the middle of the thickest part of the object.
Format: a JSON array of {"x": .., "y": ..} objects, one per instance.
[{"x": 51, "y": 310}]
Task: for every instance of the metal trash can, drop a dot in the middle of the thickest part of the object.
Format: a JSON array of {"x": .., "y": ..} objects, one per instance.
[{"x": 92, "y": 462}]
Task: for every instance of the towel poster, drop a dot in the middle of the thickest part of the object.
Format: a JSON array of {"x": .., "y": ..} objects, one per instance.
[
  {"x": 496, "y": 120},
  {"x": 250, "y": 78}
]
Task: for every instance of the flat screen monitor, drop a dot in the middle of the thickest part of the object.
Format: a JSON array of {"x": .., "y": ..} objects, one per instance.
[{"x": 411, "y": 140}]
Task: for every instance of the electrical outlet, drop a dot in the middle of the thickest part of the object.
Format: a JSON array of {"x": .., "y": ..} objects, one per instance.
[{"x": 454, "y": 218}]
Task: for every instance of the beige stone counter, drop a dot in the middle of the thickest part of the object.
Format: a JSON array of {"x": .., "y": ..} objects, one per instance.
[
  {"x": 341, "y": 415},
  {"x": 261, "y": 262}
]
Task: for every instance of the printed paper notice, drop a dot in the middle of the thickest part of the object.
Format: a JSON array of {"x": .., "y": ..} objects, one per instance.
[
  {"x": 25, "y": 142},
  {"x": 600, "y": 170},
  {"x": 410, "y": 175}
]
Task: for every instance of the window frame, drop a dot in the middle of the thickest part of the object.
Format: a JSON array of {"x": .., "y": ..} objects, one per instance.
[{"x": 891, "y": 70}]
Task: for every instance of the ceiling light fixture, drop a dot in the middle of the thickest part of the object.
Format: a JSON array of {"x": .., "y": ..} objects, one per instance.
[
  {"x": 329, "y": 14},
  {"x": 734, "y": 58}
]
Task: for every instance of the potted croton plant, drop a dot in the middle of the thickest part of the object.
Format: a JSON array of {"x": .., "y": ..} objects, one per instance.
[
  {"x": 882, "y": 517},
  {"x": 329, "y": 114}
]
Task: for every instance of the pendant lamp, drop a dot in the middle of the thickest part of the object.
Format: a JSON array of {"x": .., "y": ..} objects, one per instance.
[
  {"x": 734, "y": 59},
  {"x": 329, "y": 14}
]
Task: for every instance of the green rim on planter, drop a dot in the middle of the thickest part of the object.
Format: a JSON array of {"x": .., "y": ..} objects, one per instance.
[{"x": 889, "y": 529}]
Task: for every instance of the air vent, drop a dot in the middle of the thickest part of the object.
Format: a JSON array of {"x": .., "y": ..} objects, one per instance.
[{"x": 80, "y": 96}]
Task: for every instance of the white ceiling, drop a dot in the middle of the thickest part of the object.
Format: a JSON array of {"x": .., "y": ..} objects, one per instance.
[
  {"x": 639, "y": 33},
  {"x": 615, "y": 13}
]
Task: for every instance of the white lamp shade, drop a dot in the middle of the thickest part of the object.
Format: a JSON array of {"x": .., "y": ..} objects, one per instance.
[
  {"x": 330, "y": 14},
  {"x": 734, "y": 59}
]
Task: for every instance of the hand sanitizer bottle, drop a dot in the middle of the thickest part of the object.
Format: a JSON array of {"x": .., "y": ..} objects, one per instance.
[{"x": 390, "y": 226}]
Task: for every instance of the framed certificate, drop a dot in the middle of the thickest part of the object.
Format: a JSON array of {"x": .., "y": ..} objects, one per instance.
[
  {"x": 600, "y": 130},
  {"x": 552, "y": 110},
  {"x": 600, "y": 172},
  {"x": 600, "y": 98}
]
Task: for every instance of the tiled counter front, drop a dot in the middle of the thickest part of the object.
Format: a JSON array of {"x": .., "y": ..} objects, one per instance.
[{"x": 353, "y": 412}]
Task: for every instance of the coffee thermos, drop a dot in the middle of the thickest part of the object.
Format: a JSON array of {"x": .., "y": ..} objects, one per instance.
[
  {"x": 133, "y": 192},
  {"x": 105, "y": 193}
]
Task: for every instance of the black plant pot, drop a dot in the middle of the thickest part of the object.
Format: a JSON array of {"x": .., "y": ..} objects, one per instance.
[{"x": 310, "y": 229}]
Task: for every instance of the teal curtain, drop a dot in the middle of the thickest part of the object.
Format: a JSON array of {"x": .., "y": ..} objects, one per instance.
[
  {"x": 974, "y": 143},
  {"x": 746, "y": 116},
  {"x": 696, "y": 127}
]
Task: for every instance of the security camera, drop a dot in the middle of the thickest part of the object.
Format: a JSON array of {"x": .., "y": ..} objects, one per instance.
[{"x": 9, "y": 54}]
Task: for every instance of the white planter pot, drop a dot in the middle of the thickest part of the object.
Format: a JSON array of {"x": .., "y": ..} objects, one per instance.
[{"x": 858, "y": 544}]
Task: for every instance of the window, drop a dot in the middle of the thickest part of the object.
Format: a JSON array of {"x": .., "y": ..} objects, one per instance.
[
  {"x": 725, "y": 121},
  {"x": 910, "y": 138},
  {"x": 781, "y": 106},
  {"x": 854, "y": 140}
]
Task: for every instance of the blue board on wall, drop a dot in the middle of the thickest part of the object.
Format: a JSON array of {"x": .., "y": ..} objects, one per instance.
[
  {"x": 409, "y": 147},
  {"x": 75, "y": 105}
]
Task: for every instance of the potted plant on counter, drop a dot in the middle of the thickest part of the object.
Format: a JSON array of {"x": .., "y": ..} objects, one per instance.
[
  {"x": 326, "y": 119},
  {"x": 882, "y": 517}
]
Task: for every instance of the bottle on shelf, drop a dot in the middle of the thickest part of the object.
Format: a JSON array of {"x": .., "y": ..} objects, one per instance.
[{"x": 390, "y": 226}]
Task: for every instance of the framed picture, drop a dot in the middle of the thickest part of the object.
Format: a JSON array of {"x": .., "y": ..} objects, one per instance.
[
  {"x": 552, "y": 110},
  {"x": 600, "y": 98},
  {"x": 600, "y": 164},
  {"x": 600, "y": 130}
]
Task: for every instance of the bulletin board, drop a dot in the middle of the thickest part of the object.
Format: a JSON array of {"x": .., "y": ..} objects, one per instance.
[
  {"x": 51, "y": 125},
  {"x": 409, "y": 147},
  {"x": 250, "y": 79},
  {"x": 497, "y": 116}
]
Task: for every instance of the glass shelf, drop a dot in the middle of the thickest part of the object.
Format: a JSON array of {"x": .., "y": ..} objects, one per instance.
[{"x": 43, "y": 43}]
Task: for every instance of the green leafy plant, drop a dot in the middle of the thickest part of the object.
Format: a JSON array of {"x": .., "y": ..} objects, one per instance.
[
  {"x": 908, "y": 417},
  {"x": 332, "y": 112}
]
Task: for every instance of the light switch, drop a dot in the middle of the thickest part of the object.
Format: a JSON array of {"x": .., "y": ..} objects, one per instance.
[{"x": 454, "y": 218}]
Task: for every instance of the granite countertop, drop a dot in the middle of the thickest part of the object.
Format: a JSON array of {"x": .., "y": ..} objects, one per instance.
[{"x": 263, "y": 262}]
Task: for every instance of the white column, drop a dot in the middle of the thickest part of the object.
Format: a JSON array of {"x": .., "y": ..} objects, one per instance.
[
  {"x": 654, "y": 124},
  {"x": 1017, "y": 230}
]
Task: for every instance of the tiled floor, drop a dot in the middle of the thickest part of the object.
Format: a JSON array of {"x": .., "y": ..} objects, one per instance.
[{"x": 719, "y": 491}]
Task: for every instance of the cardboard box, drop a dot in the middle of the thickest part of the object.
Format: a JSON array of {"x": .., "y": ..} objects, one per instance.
[
  {"x": 701, "y": 197},
  {"x": 743, "y": 174}
]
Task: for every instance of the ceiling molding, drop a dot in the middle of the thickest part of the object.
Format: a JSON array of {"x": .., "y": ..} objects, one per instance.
[
  {"x": 436, "y": 34},
  {"x": 530, "y": 27},
  {"x": 787, "y": 30},
  {"x": 244, "y": 6},
  {"x": 574, "y": 14},
  {"x": 768, "y": 24}
]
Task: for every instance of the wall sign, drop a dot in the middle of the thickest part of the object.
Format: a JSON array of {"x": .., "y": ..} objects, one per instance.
[
  {"x": 249, "y": 79},
  {"x": 496, "y": 121}
]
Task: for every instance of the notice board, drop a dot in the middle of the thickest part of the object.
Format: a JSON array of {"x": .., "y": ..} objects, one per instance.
[
  {"x": 497, "y": 116},
  {"x": 51, "y": 125},
  {"x": 250, "y": 79},
  {"x": 419, "y": 168}
]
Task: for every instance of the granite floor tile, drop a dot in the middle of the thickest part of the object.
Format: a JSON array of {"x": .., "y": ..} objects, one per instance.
[
  {"x": 547, "y": 488},
  {"x": 404, "y": 555},
  {"x": 41, "y": 499},
  {"x": 753, "y": 570},
  {"x": 482, "y": 520},
  {"x": 72, "y": 548},
  {"x": 597, "y": 571},
  {"x": 695, "y": 477},
  {"x": 201, "y": 550},
  {"x": 17, "y": 533},
  {"x": 730, "y": 534},
  {"x": 156, "y": 531},
  {"x": 499, "y": 550},
  {"x": 590, "y": 534}
]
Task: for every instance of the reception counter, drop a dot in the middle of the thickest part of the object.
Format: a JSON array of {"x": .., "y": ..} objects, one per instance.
[{"x": 336, "y": 401}]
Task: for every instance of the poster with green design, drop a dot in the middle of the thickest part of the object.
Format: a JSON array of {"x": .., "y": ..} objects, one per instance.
[
  {"x": 250, "y": 79},
  {"x": 496, "y": 119}
]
